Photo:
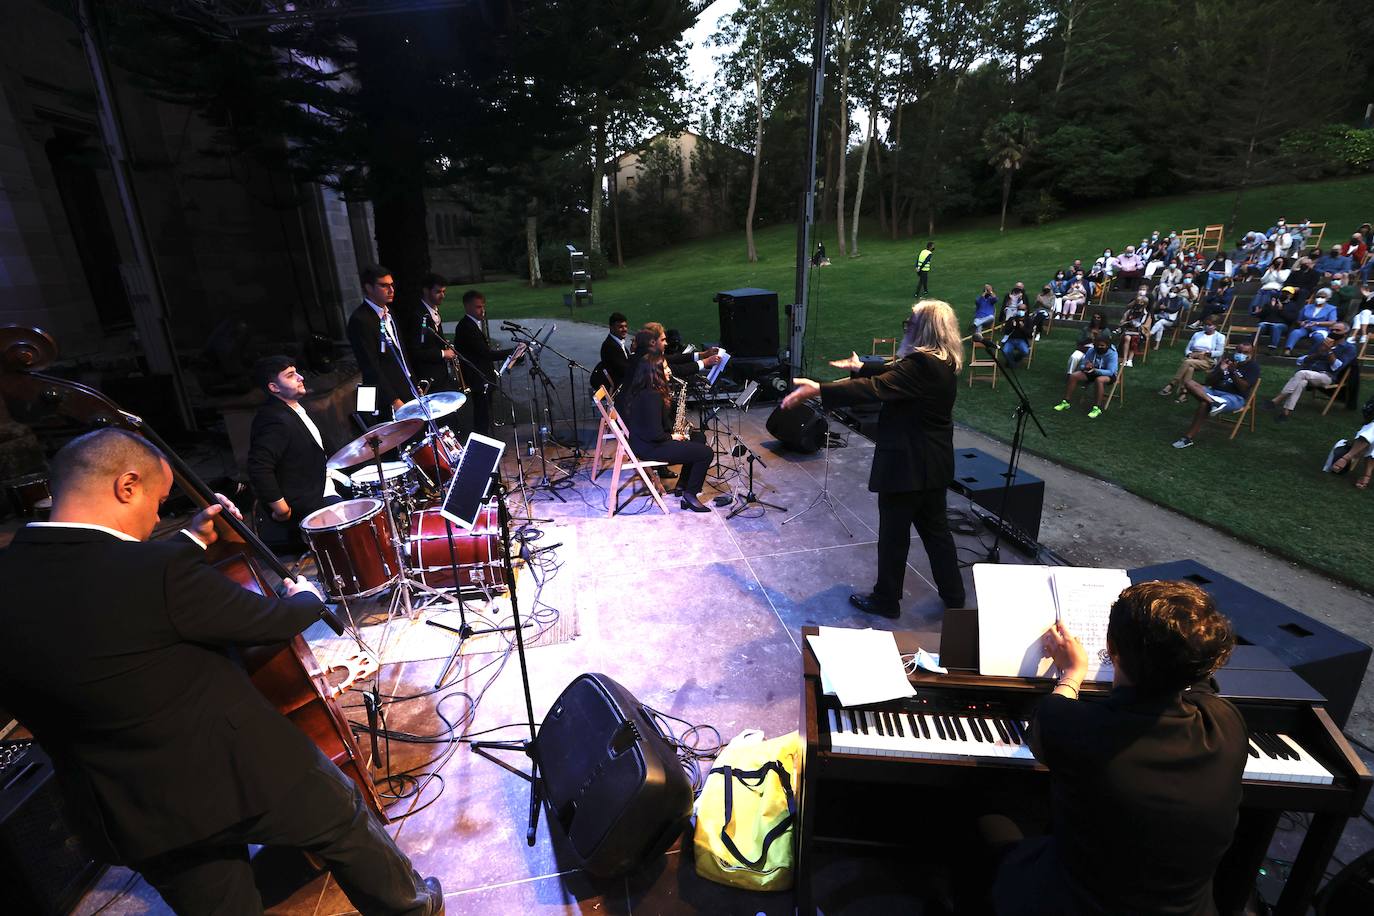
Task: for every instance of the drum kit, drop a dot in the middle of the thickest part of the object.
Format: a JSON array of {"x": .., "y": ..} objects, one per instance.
[{"x": 391, "y": 531}]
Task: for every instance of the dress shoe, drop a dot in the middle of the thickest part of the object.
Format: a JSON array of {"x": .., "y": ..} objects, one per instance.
[
  {"x": 434, "y": 895},
  {"x": 666, "y": 474},
  {"x": 690, "y": 501},
  {"x": 871, "y": 605}
]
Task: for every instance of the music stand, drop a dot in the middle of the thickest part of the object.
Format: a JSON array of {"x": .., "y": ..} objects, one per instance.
[{"x": 462, "y": 506}]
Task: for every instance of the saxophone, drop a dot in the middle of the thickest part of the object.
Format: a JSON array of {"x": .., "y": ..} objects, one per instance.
[{"x": 680, "y": 425}]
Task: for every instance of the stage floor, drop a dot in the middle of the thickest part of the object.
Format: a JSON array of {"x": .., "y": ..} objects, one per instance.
[{"x": 700, "y": 617}]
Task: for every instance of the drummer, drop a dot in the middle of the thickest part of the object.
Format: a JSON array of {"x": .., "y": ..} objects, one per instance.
[{"x": 286, "y": 457}]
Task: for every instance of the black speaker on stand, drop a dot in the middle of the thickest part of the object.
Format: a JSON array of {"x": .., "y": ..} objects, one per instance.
[
  {"x": 801, "y": 428},
  {"x": 749, "y": 322}
]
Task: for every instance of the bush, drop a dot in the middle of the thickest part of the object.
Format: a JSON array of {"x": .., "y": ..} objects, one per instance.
[
  {"x": 1334, "y": 149},
  {"x": 1037, "y": 207}
]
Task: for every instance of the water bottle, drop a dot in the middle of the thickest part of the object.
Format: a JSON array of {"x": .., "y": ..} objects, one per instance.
[{"x": 529, "y": 447}]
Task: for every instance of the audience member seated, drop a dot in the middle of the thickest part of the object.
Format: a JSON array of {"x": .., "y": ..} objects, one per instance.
[
  {"x": 1014, "y": 302},
  {"x": 1129, "y": 266},
  {"x": 1218, "y": 302},
  {"x": 1364, "y": 316},
  {"x": 1314, "y": 321},
  {"x": 1219, "y": 268},
  {"x": 1333, "y": 263},
  {"x": 1077, "y": 353},
  {"x": 1060, "y": 287},
  {"x": 1172, "y": 249},
  {"x": 1304, "y": 278},
  {"x": 1320, "y": 368},
  {"x": 1097, "y": 327},
  {"x": 1271, "y": 282},
  {"x": 1281, "y": 316},
  {"x": 1098, "y": 367},
  {"x": 1104, "y": 267},
  {"x": 1355, "y": 250},
  {"x": 1226, "y": 390},
  {"x": 984, "y": 309},
  {"x": 1135, "y": 324},
  {"x": 1204, "y": 349},
  {"x": 1044, "y": 308},
  {"x": 1016, "y": 342},
  {"x": 1360, "y": 445},
  {"x": 1167, "y": 313},
  {"x": 1345, "y": 296},
  {"x": 1170, "y": 277},
  {"x": 1076, "y": 299}
]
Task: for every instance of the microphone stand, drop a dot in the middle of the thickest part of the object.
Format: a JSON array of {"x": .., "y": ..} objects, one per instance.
[
  {"x": 824, "y": 495},
  {"x": 1023, "y": 412},
  {"x": 537, "y": 374}
]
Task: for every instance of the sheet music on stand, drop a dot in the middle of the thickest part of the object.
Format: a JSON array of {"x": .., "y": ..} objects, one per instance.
[
  {"x": 860, "y": 666},
  {"x": 1017, "y": 604},
  {"x": 719, "y": 367}
]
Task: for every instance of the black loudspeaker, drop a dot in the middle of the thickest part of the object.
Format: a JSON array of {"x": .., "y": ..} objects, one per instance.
[
  {"x": 749, "y": 322},
  {"x": 800, "y": 428},
  {"x": 44, "y": 868},
  {"x": 610, "y": 778},
  {"x": 981, "y": 477},
  {"x": 1326, "y": 658}
]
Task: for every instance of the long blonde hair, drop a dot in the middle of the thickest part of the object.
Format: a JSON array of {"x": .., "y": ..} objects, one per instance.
[{"x": 932, "y": 329}]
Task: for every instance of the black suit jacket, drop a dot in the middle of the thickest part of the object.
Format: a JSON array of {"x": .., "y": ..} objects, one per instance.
[
  {"x": 614, "y": 363},
  {"x": 915, "y": 439},
  {"x": 379, "y": 369},
  {"x": 284, "y": 461},
  {"x": 478, "y": 352},
  {"x": 424, "y": 344},
  {"x": 124, "y": 676},
  {"x": 682, "y": 365}
]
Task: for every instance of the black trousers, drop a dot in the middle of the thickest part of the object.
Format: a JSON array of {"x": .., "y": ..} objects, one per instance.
[
  {"x": 924, "y": 509},
  {"x": 480, "y": 399},
  {"x": 286, "y": 536},
  {"x": 695, "y": 458},
  {"x": 922, "y": 282},
  {"x": 324, "y": 814}
]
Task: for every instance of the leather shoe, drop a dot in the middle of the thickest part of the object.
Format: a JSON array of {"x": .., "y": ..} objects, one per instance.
[
  {"x": 690, "y": 501},
  {"x": 872, "y": 605},
  {"x": 666, "y": 473},
  {"x": 434, "y": 895}
]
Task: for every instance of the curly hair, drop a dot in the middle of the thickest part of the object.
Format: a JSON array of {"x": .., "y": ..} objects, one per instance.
[{"x": 1168, "y": 635}]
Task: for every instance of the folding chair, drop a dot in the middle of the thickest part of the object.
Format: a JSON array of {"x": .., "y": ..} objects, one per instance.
[
  {"x": 1237, "y": 419},
  {"x": 889, "y": 342},
  {"x": 1118, "y": 389},
  {"x": 625, "y": 458},
  {"x": 1185, "y": 318},
  {"x": 1337, "y": 388},
  {"x": 1212, "y": 237},
  {"x": 975, "y": 364},
  {"x": 603, "y": 430},
  {"x": 1030, "y": 357}
]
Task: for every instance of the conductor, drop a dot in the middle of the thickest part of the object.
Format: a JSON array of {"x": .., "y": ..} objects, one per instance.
[{"x": 914, "y": 459}]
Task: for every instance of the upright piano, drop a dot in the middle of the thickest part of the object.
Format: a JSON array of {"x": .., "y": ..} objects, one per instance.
[{"x": 966, "y": 733}]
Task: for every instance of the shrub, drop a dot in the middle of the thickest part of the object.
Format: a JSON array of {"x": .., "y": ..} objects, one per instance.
[
  {"x": 1333, "y": 149},
  {"x": 1038, "y": 207}
]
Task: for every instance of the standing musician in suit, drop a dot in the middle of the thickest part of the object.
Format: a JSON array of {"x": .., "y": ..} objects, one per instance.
[
  {"x": 646, "y": 405},
  {"x": 615, "y": 354},
  {"x": 913, "y": 462},
  {"x": 171, "y": 760},
  {"x": 373, "y": 335},
  {"x": 1158, "y": 765},
  {"x": 434, "y": 364},
  {"x": 286, "y": 456},
  {"x": 479, "y": 358}
]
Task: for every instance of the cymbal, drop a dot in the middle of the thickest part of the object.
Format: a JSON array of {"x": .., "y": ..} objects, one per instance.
[
  {"x": 439, "y": 404},
  {"x": 384, "y": 436}
]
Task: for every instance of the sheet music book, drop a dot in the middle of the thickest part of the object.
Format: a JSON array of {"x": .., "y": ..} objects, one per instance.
[
  {"x": 718, "y": 368},
  {"x": 1017, "y": 604}
]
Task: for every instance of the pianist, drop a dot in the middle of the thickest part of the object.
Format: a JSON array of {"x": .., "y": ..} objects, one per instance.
[{"x": 1146, "y": 784}]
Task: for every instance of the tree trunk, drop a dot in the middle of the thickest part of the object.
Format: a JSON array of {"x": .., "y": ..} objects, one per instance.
[
  {"x": 828, "y": 187},
  {"x": 598, "y": 174},
  {"x": 1244, "y": 175},
  {"x": 1064, "y": 58},
  {"x": 859, "y": 191},
  {"x": 532, "y": 241},
  {"x": 896, "y": 164},
  {"x": 878, "y": 185},
  {"x": 1006, "y": 195},
  {"x": 844, "y": 131},
  {"x": 751, "y": 252}
]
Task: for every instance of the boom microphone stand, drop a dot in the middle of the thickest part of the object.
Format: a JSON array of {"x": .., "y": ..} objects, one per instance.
[
  {"x": 540, "y": 431},
  {"x": 575, "y": 432}
]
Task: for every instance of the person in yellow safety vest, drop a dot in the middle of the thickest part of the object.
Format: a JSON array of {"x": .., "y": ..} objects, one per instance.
[{"x": 923, "y": 260}]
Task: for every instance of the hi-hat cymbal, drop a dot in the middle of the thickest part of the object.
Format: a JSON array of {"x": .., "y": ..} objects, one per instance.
[
  {"x": 439, "y": 404},
  {"x": 378, "y": 440}
]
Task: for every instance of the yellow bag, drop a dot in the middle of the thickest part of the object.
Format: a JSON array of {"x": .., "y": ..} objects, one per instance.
[{"x": 747, "y": 811}]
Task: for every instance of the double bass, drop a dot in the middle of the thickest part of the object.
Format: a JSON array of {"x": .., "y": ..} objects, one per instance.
[{"x": 286, "y": 673}]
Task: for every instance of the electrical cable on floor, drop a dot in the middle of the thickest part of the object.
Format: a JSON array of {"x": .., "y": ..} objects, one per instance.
[{"x": 694, "y": 745}]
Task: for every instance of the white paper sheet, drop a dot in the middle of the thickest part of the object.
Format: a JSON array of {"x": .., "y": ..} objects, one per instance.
[
  {"x": 860, "y": 666},
  {"x": 1084, "y": 598}
]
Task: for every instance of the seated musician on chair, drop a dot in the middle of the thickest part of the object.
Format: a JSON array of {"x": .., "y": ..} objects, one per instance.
[
  {"x": 1145, "y": 785},
  {"x": 171, "y": 761},
  {"x": 644, "y": 404},
  {"x": 286, "y": 456}
]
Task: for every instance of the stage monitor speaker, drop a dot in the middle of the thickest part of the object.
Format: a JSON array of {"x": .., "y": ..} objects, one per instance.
[
  {"x": 610, "y": 778},
  {"x": 981, "y": 477},
  {"x": 801, "y": 428},
  {"x": 749, "y": 321},
  {"x": 1326, "y": 658},
  {"x": 44, "y": 868}
]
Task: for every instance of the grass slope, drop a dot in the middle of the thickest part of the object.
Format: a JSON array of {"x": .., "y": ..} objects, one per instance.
[{"x": 1265, "y": 488}]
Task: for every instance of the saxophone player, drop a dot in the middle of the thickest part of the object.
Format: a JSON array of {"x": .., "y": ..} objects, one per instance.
[{"x": 645, "y": 403}]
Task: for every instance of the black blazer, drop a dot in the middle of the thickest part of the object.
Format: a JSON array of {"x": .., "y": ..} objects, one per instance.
[
  {"x": 379, "y": 369},
  {"x": 478, "y": 352},
  {"x": 284, "y": 462},
  {"x": 915, "y": 440},
  {"x": 682, "y": 365},
  {"x": 614, "y": 363},
  {"x": 124, "y": 676},
  {"x": 424, "y": 344},
  {"x": 646, "y": 417}
]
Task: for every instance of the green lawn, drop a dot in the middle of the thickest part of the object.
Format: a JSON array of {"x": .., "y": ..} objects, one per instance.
[{"x": 1265, "y": 488}]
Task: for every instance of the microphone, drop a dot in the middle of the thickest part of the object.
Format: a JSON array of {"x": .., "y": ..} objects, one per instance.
[{"x": 511, "y": 326}]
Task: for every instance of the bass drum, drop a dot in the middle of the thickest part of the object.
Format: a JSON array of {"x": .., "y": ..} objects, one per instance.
[
  {"x": 353, "y": 546},
  {"x": 478, "y": 552}
]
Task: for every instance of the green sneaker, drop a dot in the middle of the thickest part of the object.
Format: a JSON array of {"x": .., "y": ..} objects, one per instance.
[
  {"x": 1094, "y": 413},
  {"x": 1062, "y": 405}
]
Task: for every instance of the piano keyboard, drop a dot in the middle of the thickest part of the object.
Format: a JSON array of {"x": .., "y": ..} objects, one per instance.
[{"x": 980, "y": 732}]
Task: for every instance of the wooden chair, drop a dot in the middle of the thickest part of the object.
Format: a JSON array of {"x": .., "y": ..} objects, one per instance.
[
  {"x": 1118, "y": 389},
  {"x": 1185, "y": 318},
  {"x": 889, "y": 342},
  {"x": 1212, "y": 237},
  {"x": 1237, "y": 419},
  {"x": 1100, "y": 295},
  {"x": 603, "y": 430},
  {"x": 1318, "y": 232},
  {"x": 1336, "y": 389},
  {"x": 975, "y": 364},
  {"x": 1030, "y": 357},
  {"x": 624, "y": 459}
]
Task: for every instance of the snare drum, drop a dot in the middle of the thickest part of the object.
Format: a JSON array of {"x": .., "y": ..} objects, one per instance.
[
  {"x": 399, "y": 481},
  {"x": 437, "y": 464},
  {"x": 353, "y": 547},
  {"x": 478, "y": 552}
]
